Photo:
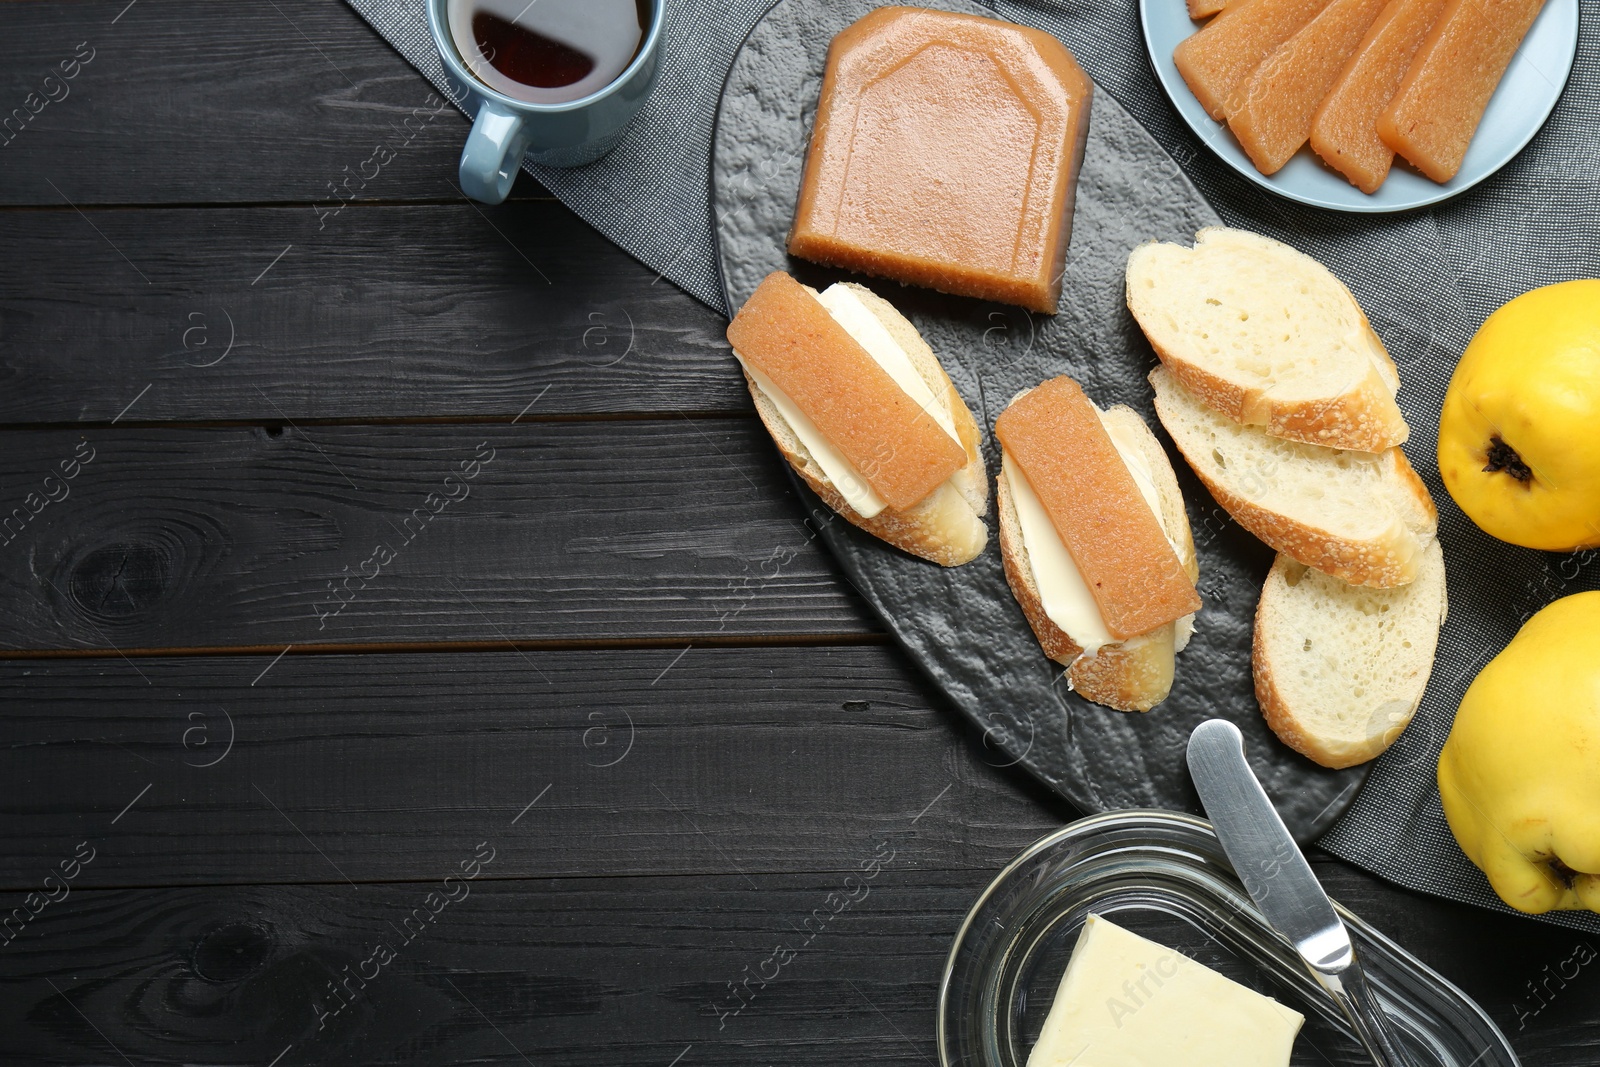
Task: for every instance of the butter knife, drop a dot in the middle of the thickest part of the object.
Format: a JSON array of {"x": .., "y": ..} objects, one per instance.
[{"x": 1281, "y": 883}]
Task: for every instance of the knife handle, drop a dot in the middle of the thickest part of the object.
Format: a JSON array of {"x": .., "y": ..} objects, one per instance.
[{"x": 1280, "y": 881}]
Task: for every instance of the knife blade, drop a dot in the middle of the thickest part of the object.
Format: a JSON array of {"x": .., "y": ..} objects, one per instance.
[{"x": 1280, "y": 881}]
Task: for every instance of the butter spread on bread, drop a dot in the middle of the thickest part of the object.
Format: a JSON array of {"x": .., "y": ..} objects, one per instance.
[
  {"x": 859, "y": 406},
  {"x": 1132, "y": 674},
  {"x": 788, "y": 334},
  {"x": 1055, "y": 437},
  {"x": 1065, "y": 595}
]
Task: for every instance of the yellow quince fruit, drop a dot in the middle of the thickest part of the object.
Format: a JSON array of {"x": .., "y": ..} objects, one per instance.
[
  {"x": 1519, "y": 436},
  {"x": 1520, "y": 771}
]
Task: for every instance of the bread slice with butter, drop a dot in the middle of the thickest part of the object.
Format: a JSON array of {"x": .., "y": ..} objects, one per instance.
[
  {"x": 1269, "y": 337},
  {"x": 946, "y": 525},
  {"x": 1340, "y": 668},
  {"x": 1361, "y": 516},
  {"x": 1134, "y": 674}
]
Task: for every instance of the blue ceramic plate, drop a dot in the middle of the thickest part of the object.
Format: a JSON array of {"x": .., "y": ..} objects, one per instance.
[{"x": 1519, "y": 107}]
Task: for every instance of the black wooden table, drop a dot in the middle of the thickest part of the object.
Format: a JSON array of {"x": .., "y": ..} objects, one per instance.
[{"x": 395, "y": 669}]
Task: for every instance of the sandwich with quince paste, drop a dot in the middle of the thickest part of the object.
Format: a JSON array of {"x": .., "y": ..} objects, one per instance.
[
  {"x": 1096, "y": 543},
  {"x": 858, "y": 404}
]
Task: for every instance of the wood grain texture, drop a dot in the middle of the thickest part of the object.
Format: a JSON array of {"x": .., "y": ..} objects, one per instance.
[
  {"x": 596, "y": 971},
  {"x": 748, "y": 775},
  {"x": 377, "y": 767},
  {"x": 621, "y": 905},
  {"x": 388, "y": 312},
  {"x": 191, "y": 101},
  {"x": 603, "y": 971},
  {"x": 570, "y": 530}
]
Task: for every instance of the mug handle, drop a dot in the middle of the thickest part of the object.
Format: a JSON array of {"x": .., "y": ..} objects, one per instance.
[{"x": 493, "y": 153}]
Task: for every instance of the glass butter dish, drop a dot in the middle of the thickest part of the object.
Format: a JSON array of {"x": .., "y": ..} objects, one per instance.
[{"x": 1163, "y": 875}]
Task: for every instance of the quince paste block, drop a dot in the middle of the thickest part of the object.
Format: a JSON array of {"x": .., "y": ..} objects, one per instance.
[
  {"x": 785, "y": 332},
  {"x": 1344, "y": 131},
  {"x": 945, "y": 154},
  {"x": 1440, "y": 102},
  {"x": 1217, "y": 62},
  {"x": 1275, "y": 105}
]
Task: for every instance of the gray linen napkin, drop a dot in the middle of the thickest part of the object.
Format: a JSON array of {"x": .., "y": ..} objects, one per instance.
[{"x": 1427, "y": 279}]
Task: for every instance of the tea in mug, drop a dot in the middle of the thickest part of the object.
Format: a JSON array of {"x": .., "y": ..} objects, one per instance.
[{"x": 548, "y": 51}]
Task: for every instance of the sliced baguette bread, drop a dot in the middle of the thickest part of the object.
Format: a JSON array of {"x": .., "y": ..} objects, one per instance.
[
  {"x": 1340, "y": 668},
  {"x": 1360, "y": 516},
  {"x": 1136, "y": 674},
  {"x": 946, "y": 526},
  {"x": 1269, "y": 337}
]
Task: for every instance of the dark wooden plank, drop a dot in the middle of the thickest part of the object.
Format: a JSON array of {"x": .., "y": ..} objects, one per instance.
[
  {"x": 378, "y": 767},
  {"x": 192, "y": 101},
  {"x": 606, "y": 971},
  {"x": 568, "y": 531},
  {"x": 389, "y": 312}
]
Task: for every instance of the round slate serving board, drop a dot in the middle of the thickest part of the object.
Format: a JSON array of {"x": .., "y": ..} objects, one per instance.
[{"x": 961, "y": 624}]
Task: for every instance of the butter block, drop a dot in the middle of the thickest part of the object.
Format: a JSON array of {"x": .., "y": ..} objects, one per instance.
[{"x": 1126, "y": 1001}]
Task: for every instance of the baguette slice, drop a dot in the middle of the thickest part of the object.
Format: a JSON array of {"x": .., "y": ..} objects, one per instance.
[
  {"x": 1339, "y": 668},
  {"x": 1269, "y": 337},
  {"x": 946, "y": 526},
  {"x": 1360, "y": 516},
  {"x": 1136, "y": 674}
]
